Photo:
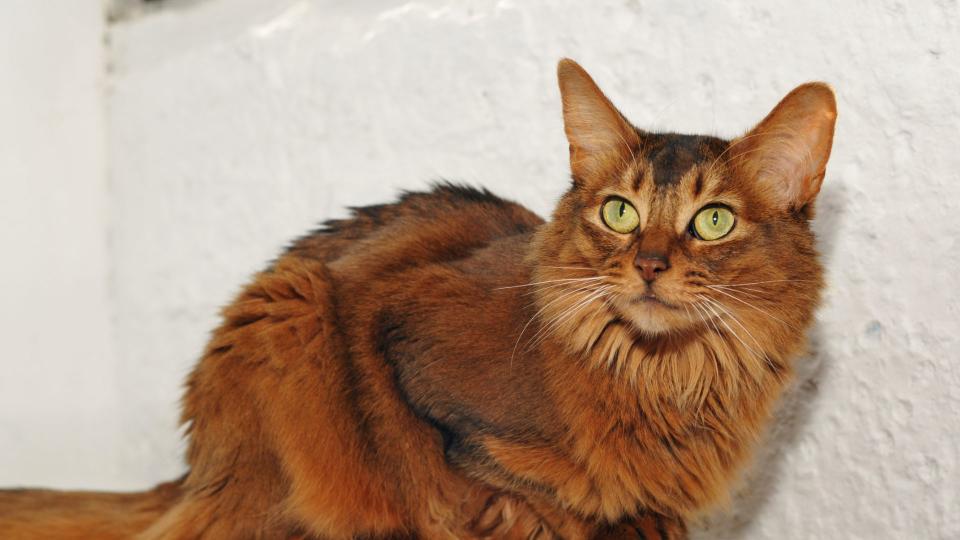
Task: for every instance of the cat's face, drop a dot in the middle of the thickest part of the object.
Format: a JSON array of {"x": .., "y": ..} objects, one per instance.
[
  {"x": 669, "y": 232},
  {"x": 673, "y": 222}
]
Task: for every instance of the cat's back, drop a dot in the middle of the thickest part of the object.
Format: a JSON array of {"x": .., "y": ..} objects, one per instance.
[{"x": 446, "y": 224}]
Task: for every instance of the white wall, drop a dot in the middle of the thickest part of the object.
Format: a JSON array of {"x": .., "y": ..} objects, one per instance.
[
  {"x": 58, "y": 397},
  {"x": 235, "y": 125}
]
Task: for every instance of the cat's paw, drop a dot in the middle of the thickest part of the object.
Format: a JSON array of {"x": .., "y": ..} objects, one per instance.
[{"x": 504, "y": 516}]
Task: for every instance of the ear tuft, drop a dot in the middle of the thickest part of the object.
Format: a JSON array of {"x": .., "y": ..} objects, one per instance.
[
  {"x": 599, "y": 136},
  {"x": 787, "y": 153}
]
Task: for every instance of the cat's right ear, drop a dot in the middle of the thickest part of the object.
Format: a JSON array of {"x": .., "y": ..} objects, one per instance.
[{"x": 601, "y": 140}]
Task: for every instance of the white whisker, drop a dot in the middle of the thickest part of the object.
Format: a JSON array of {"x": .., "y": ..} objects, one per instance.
[
  {"x": 553, "y": 324},
  {"x": 720, "y": 306},
  {"x": 761, "y": 282},
  {"x": 716, "y": 361},
  {"x": 558, "y": 320},
  {"x": 768, "y": 314},
  {"x": 732, "y": 331},
  {"x": 566, "y": 267},
  {"x": 706, "y": 317},
  {"x": 586, "y": 288},
  {"x": 584, "y": 292},
  {"x": 741, "y": 291},
  {"x": 534, "y": 284},
  {"x": 553, "y": 286}
]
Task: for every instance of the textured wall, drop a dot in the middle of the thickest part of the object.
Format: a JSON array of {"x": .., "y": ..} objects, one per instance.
[
  {"x": 57, "y": 372},
  {"x": 236, "y": 125}
]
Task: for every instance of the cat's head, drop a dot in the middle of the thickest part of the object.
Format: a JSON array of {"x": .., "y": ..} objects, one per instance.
[{"x": 669, "y": 233}]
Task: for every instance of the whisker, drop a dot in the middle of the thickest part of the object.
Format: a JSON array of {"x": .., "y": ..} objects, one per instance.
[
  {"x": 742, "y": 289},
  {"x": 732, "y": 331},
  {"x": 716, "y": 361},
  {"x": 566, "y": 294},
  {"x": 707, "y": 319},
  {"x": 734, "y": 318},
  {"x": 763, "y": 357},
  {"x": 553, "y": 324},
  {"x": 552, "y": 286},
  {"x": 548, "y": 281},
  {"x": 563, "y": 289},
  {"x": 768, "y": 314},
  {"x": 760, "y": 282},
  {"x": 602, "y": 296},
  {"x": 566, "y": 267},
  {"x": 584, "y": 292}
]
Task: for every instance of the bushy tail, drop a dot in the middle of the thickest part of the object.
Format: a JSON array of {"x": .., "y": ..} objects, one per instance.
[{"x": 35, "y": 514}]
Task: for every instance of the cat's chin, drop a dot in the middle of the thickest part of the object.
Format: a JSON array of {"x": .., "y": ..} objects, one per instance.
[
  {"x": 653, "y": 316},
  {"x": 651, "y": 324}
]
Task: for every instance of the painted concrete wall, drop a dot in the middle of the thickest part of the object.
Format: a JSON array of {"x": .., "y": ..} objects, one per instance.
[
  {"x": 58, "y": 398},
  {"x": 235, "y": 125}
]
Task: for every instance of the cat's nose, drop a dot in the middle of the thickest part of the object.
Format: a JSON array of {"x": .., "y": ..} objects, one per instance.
[{"x": 650, "y": 265}]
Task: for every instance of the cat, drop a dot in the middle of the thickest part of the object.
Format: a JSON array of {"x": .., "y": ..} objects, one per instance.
[{"x": 453, "y": 366}]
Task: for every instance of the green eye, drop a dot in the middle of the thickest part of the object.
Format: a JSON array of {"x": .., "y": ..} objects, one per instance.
[
  {"x": 620, "y": 215},
  {"x": 712, "y": 223}
]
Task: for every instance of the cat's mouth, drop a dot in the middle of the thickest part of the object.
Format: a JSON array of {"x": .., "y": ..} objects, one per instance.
[{"x": 649, "y": 298}]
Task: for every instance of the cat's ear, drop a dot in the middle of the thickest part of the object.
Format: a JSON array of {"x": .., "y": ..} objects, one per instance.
[
  {"x": 600, "y": 137},
  {"x": 787, "y": 153}
]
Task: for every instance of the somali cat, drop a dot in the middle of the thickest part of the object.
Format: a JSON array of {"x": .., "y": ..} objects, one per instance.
[{"x": 452, "y": 366}]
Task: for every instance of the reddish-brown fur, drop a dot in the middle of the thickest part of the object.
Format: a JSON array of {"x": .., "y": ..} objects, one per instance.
[{"x": 450, "y": 366}]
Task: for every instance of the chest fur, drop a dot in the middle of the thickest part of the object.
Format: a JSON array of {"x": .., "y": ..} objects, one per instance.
[{"x": 669, "y": 440}]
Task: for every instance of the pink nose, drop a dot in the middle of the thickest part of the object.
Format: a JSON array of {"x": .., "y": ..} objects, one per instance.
[{"x": 650, "y": 265}]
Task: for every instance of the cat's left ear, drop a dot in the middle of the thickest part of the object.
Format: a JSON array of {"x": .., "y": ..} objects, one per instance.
[{"x": 786, "y": 154}]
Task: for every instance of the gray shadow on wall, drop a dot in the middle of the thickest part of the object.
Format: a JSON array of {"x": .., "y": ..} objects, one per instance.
[
  {"x": 124, "y": 10},
  {"x": 793, "y": 414}
]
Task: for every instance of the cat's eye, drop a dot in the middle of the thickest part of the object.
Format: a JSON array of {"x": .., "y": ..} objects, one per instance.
[
  {"x": 712, "y": 223},
  {"x": 620, "y": 215}
]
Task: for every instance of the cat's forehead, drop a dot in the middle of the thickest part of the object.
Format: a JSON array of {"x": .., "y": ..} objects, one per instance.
[{"x": 671, "y": 157}]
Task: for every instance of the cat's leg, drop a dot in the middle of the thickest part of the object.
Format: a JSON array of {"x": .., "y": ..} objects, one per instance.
[{"x": 275, "y": 428}]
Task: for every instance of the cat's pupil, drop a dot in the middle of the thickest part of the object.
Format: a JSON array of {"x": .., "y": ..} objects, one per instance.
[
  {"x": 623, "y": 208},
  {"x": 716, "y": 217}
]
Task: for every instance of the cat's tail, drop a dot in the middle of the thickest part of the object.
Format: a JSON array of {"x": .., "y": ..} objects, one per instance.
[{"x": 40, "y": 514}]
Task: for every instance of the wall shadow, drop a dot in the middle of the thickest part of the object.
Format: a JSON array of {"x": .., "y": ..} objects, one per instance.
[{"x": 795, "y": 410}]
